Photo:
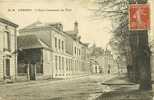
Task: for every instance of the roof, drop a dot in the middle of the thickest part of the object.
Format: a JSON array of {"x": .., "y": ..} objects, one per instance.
[
  {"x": 39, "y": 24},
  {"x": 46, "y": 37},
  {"x": 71, "y": 32},
  {"x": 75, "y": 36},
  {"x": 30, "y": 42},
  {"x": 6, "y": 20}
]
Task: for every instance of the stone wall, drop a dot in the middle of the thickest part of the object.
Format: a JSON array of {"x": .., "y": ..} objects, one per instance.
[{"x": 7, "y": 54}]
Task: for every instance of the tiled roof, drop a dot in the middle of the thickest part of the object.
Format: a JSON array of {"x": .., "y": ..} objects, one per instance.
[{"x": 30, "y": 42}]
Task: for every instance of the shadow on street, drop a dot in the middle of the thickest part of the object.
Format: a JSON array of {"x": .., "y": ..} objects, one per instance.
[{"x": 127, "y": 95}]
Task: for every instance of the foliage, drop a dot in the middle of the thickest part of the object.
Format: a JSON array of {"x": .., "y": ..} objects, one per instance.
[
  {"x": 117, "y": 11},
  {"x": 96, "y": 52},
  {"x": 133, "y": 45}
]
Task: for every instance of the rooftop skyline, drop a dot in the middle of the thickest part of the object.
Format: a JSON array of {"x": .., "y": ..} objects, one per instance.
[{"x": 64, "y": 11}]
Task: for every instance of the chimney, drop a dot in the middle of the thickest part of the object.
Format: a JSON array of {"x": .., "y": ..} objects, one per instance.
[
  {"x": 59, "y": 26},
  {"x": 76, "y": 27}
]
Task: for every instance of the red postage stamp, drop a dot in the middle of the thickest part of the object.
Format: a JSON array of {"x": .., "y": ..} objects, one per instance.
[{"x": 139, "y": 17}]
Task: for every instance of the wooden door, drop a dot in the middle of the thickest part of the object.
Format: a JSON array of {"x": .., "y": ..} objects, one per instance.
[{"x": 7, "y": 67}]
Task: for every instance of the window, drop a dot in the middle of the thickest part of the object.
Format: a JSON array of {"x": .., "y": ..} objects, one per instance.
[
  {"x": 66, "y": 65},
  {"x": 63, "y": 63},
  {"x": 69, "y": 64},
  {"x": 7, "y": 41},
  {"x": 59, "y": 44},
  {"x": 59, "y": 63},
  {"x": 75, "y": 50},
  {"x": 7, "y": 67},
  {"x": 62, "y": 45},
  {"x": 79, "y": 51},
  {"x": 75, "y": 66},
  {"x": 56, "y": 63},
  {"x": 72, "y": 65},
  {"x": 55, "y": 42}
]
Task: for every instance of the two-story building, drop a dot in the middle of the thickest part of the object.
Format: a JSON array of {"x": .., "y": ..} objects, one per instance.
[
  {"x": 8, "y": 58},
  {"x": 78, "y": 52},
  {"x": 46, "y": 51},
  {"x": 107, "y": 62}
]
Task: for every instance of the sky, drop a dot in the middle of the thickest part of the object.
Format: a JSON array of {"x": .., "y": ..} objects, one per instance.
[{"x": 64, "y": 11}]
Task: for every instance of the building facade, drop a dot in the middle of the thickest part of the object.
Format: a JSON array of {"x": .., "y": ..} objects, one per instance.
[
  {"x": 95, "y": 68},
  {"x": 8, "y": 48},
  {"x": 107, "y": 62},
  {"x": 52, "y": 52}
]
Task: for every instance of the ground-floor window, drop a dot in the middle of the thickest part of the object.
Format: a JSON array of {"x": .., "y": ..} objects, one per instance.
[
  {"x": 63, "y": 63},
  {"x": 59, "y": 63},
  {"x": 67, "y": 65},
  {"x": 56, "y": 63},
  {"x": 71, "y": 65}
]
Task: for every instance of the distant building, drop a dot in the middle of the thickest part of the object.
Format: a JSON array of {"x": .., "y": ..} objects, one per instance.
[
  {"x": 94, "y": 66},
  {"x": 8, "y": 62},
  {"x": 104, "y": 58},
  {"x": 107, "y": 62},
  {"x": 46, "y": 51}
]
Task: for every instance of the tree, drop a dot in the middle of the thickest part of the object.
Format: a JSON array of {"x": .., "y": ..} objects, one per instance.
[{"x": 133, "y": 45}]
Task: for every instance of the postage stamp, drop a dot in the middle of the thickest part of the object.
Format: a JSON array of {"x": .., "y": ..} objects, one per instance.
[{"x": 139, "y": 17}]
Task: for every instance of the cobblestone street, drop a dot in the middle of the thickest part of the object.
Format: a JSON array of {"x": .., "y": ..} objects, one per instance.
[{"x": 84, "y": 88}]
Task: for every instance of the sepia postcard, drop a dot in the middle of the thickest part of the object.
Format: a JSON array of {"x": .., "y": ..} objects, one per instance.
[{"x": 76, "y": 49}]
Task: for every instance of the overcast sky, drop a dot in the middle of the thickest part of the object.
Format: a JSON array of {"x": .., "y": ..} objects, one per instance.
[{"x": 91, "y": 30}]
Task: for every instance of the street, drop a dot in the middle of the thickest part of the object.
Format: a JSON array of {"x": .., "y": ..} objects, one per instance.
[{"x": 84, "y": 88}]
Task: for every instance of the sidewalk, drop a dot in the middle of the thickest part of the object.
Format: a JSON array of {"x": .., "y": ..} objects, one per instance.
[
  {"x": 118, "y": 80},
  {"x": 123, "y": 89},
  {"x": 43, "y": 81}
]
